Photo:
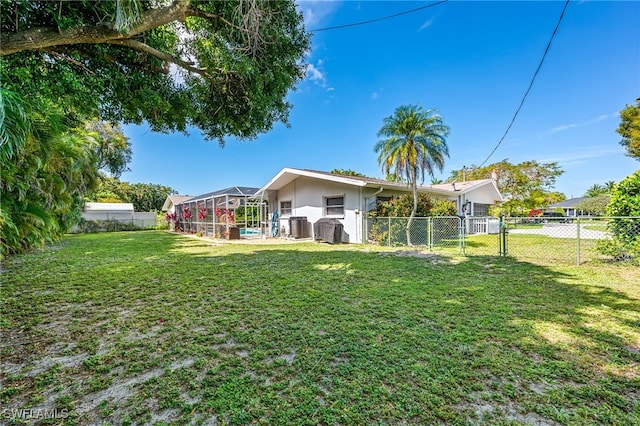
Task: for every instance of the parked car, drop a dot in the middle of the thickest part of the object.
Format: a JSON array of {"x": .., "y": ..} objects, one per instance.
[{"x": 553, "y": 217}]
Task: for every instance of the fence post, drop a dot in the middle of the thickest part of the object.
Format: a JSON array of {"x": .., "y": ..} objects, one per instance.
[
  {"x": 389, "y": 232},
  {"x": 502, "y": 238},
  {"x": 578, "y": 241},
  {"x": 430, "y": 233},
  {"x": 461, "y": 234}
]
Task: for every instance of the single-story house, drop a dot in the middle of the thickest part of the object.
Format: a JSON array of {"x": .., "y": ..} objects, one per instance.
[
  {"x": 108, "y": 211},
  {"x": 172, "y": 201},
  {"x": 314, "y": 195},
  {"x": 569, "y": 206}
]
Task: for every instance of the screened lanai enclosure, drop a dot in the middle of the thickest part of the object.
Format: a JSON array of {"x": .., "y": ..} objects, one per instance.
[{"x": 231, "y": 213}]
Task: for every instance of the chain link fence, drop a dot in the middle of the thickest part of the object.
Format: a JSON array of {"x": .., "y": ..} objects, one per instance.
[
  {"x": 434, "y": 233},
  {"x": 548, "y": 240}
]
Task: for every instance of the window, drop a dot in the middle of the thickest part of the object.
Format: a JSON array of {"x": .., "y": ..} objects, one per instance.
[
  {"x": 285, "y": 208},
  {"x": 480, "y": 209},
  {"x": 334, "y": 206}
]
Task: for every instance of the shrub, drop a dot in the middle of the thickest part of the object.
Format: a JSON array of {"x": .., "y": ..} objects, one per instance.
[
  {"x": 161, "y": 221},
  {"x": 393, "y": 233},
  {"x": 401, "y": 207},
  {"x": 623, "y": 207}
]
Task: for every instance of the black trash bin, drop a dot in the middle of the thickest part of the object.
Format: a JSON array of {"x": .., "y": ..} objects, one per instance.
[
  {"x": 298, "y": 226},
  {"x": 328, "y": 230}
]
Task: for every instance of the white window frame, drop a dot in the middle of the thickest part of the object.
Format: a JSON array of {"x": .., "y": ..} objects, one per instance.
[
  {"x": 282, "y": 209},
  {"x": 325, "y": 206}
]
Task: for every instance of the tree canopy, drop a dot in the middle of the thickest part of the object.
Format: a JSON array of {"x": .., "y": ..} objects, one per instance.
[
  {"x": 525, "y": 185},
  {"x": 224, "y": 67},
  {"x": 595, "y": 206},
  {"x": 629, "y": 129},
  {"x": 144, "y": 196},
  {"x": 69, "y": 71}
]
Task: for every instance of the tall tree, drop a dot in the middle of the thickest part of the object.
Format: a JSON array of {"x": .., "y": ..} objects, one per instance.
[
  {"x": 110, "y": 146},
  {"x": 525, "y": 185},
  {"x": 224, "y": 67},
  {"x": 595, "y": 190},
  {"x": 629, "y": 129},
  {"x": 414, "y": 144}
]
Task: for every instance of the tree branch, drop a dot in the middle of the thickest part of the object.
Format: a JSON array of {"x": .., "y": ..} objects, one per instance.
[
  {"x": 145, "y": 48},
  {"x": 179, "y": 10},
  {"x": 68, "y": 59},
  {"x": 41, "y": 38}
]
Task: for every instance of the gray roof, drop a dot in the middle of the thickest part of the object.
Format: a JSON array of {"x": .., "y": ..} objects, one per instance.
[
  {"x": 232, "y": 191},
  {"x": 446, "y": 187}
]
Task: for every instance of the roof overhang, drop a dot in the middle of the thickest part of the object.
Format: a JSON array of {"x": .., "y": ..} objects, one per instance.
[{"x": 288, "y": 175}]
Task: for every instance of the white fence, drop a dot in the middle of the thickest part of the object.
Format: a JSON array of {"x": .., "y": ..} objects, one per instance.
[{"x": 104, "y": 221}]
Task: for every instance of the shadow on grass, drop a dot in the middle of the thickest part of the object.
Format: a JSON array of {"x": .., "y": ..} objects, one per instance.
[{"x": 318, "y": 334}]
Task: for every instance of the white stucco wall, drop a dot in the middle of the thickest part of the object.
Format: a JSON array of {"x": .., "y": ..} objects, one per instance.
[
  {"x": 483, "y": 195},
  {"x": 307, "y": 198}
]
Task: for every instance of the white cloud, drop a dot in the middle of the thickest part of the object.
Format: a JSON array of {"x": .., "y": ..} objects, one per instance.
[
  {"x": 563, "y": 127},
  {"x": 426, "y": 25},
  {"x": 578, "y": 157},
  {"x": 315, "y": 74},
  {"x": 315, "y": 11},
  {"x": 374, "y": 96}
]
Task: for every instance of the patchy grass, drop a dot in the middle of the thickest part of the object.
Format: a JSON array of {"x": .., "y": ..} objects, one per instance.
[{"x": 150, "y": 327}]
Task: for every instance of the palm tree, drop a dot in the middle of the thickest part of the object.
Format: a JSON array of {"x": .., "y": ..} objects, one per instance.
[
  {"x": 414, "y": 143},
  {"x": 595, "y": 190}
]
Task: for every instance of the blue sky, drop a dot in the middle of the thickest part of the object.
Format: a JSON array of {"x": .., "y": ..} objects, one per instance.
[{"x": 472, "y": 61}]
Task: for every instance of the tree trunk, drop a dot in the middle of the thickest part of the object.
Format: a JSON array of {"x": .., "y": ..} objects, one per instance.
[{"x": 414, "y": 186}]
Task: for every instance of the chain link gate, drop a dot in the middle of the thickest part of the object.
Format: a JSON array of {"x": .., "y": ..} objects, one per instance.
[{"x": 570, "y": 240}]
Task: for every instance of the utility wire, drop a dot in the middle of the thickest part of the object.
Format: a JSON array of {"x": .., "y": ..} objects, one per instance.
[
  {"x": 530, "y": 85},
  {"x": 378, "y": 19}
]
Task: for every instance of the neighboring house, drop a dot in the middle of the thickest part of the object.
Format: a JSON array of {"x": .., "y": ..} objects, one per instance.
[
  {"x": 172, "y": 201},
  {"x": 108, "y": 211},
  {"x": 569, "y": 206},
  {"x": 314, "y": 195}
]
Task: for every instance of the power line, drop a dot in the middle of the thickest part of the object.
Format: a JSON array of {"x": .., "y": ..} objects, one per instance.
[
  {"x": 530, "y": 85},
  {"x": 378, "y": 19}
]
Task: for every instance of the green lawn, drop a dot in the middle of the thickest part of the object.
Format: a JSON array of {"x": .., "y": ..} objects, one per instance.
[{"x": 150, "y": 327}]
